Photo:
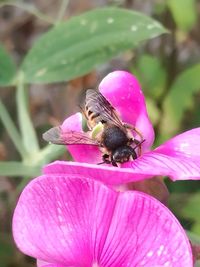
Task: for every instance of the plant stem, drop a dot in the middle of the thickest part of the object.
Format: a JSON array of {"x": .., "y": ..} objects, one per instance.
[
  {"x": 26, "y": 126},
  {"x": 31, "y": 9},
  {"x": 62, "y": 10},
  {"x": 12, "y": 130}
]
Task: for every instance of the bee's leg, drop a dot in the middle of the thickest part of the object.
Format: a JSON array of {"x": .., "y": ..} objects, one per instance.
[
  {"x": 137, "y": 142},
  {"x": 131, "y": 127},
  {"x": 139, "y": 145},
  {"x": 98, "y": 128},
  {"x": 133, "y": 155},
  {"x": 105, "y": 158},
  {"x": 113, "y": 162}
]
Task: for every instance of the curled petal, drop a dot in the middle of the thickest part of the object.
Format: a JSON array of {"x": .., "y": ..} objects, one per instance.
[
  {"x": 123, "y": 91},
  {"x": 176, "y": 167},
  {"x": 187, "y": 144},
  {"x": 80, "y": 153},
  {"x": 84, "y": 223},
  {"x": 107, "y": 174},
  {"x": 178, "y": 158}
]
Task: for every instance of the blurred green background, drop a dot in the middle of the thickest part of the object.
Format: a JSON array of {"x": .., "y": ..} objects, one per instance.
[{"x": 40, "y": 87}]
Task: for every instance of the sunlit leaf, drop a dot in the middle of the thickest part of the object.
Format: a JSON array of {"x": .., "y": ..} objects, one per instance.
[
  {"x": 186, "y": 206},
  {"x": 151, "y": 74},
  {"x": 7, "y": 68},
  {"x": 180, "y": 98},
  {"x": 184, "y": 13},
  {"x": 153, "y": 111},
  {"x": 191, "y": 208},
  {"x": 75, "y": 47}
]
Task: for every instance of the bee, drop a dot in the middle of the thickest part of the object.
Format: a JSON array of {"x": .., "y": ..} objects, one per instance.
[{"x": 106, "y": 130}]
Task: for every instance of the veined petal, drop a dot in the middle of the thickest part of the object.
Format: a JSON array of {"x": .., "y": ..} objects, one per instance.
[
  {"x": 84, "y": 223},
  {"x": 178, "y": 158},
  {"x": 123, "y": 91},
  {"x": 80, "y": 153},
  {"x": 143, "y": 232},
  {"x": 179, "y": 167},
  {"x": 63, "y": 220}
]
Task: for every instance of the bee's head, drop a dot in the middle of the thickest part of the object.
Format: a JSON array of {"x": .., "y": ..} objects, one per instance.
[{"x": 123, "y": 154}]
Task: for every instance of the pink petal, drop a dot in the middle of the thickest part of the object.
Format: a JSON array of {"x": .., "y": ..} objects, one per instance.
[
  {"x": 59, "y": 219},
  {"x": 179, "y": 167},
  {"x": 123, "y": 91},
  {"x": 105, "y": 173},
  {"x": 143, "y": 232},
  {"x": 178, "y": 158},
  {"x": 187, "y": 143},
  {"x": 46, "y": 264},
  {"x": 81, "y": 153},
  {"x": 84, "y": 223}
]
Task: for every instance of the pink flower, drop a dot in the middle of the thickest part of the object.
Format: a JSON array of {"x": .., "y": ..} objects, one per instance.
[
  {"x": 178, "y": 158},
  {"x": 68, "y": 221},
  {"x": 68, "y": 218}
]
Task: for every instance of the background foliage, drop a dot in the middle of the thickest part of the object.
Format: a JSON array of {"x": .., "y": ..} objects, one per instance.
[{"x": 52, "y": 51}]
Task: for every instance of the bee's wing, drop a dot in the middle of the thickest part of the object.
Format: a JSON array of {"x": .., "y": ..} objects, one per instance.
[
  {"x": 55, "y": 135},
  {"x": 98, "y": 104}
]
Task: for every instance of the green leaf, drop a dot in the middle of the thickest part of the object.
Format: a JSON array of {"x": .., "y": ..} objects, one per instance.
[
  {"x": 75, "y": 47},
  {"x": 184, "y": 13},
  {"x": 191, "y": 209},
  {"x": 14, "y": 168},
  {"x": 153, "y": 111},
  {"x": 7, "y": 68},
  {"x": 179, "y": 98},
  {"x": 151, "y": 74},
  {"x": 6, "y": 248}
]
